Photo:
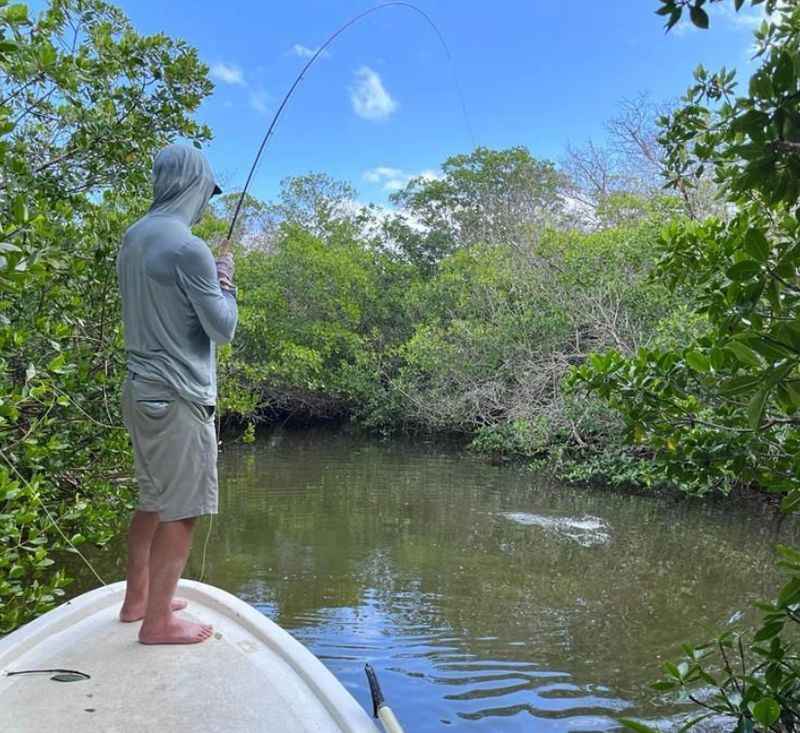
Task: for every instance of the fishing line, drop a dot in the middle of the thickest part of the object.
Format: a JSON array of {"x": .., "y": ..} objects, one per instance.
[
  {"x": 273, "y": 123},
  {"x": 205, "y": 548},
  {"x": 271, "y": 129},
  {"x": 310, "y": 63}
]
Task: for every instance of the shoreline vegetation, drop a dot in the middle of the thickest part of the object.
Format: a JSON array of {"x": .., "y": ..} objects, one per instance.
[{"x": 580, "y": 316}]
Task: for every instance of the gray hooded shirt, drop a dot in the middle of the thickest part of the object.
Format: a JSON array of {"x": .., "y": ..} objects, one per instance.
[{"x": 173, "y": 309}]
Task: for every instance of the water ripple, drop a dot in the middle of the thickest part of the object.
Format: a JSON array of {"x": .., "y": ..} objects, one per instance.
[{"x": 456, "y": 678}]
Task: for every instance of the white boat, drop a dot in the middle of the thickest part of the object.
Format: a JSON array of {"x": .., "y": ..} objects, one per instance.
[{"x": 250, "y": 676}]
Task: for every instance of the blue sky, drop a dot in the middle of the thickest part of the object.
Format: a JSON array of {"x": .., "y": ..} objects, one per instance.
[{"x": 383, "y": 105}]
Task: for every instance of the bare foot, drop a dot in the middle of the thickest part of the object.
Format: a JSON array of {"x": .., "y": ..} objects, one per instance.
[
  {"x": 135, "y": 611},
  {"x": 175, "y": 631}
]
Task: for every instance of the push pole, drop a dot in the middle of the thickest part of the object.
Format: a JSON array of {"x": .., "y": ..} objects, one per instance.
[{"x": 380, "y": 709}]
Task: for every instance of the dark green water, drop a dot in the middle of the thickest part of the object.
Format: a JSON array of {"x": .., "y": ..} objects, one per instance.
[{"x": 487, "y": 598}]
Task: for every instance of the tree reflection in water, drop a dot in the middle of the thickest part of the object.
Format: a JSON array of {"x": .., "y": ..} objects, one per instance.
[{"x": 463, "y": 583}]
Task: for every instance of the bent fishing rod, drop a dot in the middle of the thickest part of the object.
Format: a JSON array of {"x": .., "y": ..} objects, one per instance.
[{"x": 227, "y": 243}]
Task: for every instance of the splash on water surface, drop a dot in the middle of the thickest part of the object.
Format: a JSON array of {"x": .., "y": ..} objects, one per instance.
[{"x": 586, "y": 531}]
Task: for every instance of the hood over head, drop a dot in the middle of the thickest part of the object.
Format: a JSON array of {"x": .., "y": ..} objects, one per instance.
[{"x": 182, "y": 183}]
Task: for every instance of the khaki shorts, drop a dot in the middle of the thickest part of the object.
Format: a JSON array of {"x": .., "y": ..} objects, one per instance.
[{"x": 174, "y": 449}]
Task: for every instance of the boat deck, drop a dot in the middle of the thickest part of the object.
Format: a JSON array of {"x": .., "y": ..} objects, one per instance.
[{"x": 251, "y": 676}]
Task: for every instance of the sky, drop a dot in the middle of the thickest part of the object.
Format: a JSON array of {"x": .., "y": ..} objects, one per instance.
[{"x": 384, "y": 105}]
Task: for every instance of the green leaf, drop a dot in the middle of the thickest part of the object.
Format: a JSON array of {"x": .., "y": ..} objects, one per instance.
[
  {"x": 717, "y": 358},
  {"x": 783, "y": 76},
  {"x": 755, "y": 409},
  {"x": 789, "y": 553},
  {"x": 16, "y": 13},
  {"x": 19, "y": 211},
  {"x": 773, "y": 676},
  {"x": 744, "y": 353},
  {"x": 664, "y": 686},
  {"x": 674, "y": 18},
  {"x": 761, "y": 85},
  {"x": 697, "y": 361},
  {"x": 47, "y": 55},
  {"x": 57, "y": 364},
  {"x": 744, "y": 270},
  {"x": 768, "y": 631},
  {"x": 788, "y": 397},
  {"x": 699, "y": 16},
  {"x": 766, "y": 711},
  {"x": 774, "y": 352},
  {"x": 790, "y": 592},
  {"x": 756, "y": 245},
  {"x": 790, "y": 502}
]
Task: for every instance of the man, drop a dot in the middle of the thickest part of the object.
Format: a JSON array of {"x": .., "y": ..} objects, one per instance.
[{"x": 177, "y": 304}]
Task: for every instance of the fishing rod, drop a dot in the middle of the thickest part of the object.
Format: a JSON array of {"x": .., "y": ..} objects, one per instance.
[{"x": 227, "y": 243}]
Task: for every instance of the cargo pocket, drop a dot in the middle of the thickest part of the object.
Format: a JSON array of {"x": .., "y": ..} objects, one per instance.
[{"x": 154, "y": 409}]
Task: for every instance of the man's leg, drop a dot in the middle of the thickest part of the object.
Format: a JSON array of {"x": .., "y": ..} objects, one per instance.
[
  {"x": 168, "y": 554},
  {"x": 140, "y": 538}
]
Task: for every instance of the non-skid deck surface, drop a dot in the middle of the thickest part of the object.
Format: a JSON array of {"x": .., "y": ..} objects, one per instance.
[{"x": 251, "y": 676}]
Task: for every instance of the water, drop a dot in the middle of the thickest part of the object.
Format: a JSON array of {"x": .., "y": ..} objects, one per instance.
[{"x": 487, "y": 598}]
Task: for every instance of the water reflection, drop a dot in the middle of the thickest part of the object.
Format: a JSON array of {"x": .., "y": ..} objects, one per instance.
[{"x": 488, "y": 598}]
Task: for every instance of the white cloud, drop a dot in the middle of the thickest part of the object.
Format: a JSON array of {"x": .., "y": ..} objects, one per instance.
[
  {"x": 369, "y": 97},
  {"x": 429, "y": 175},
  {"x": 394, "y": 179},
  {"x": 376, "y": 175},
  {"x": 228, "y": 74},
  {"x": 304, "y": 52},
  {"x": 259, "y": 100},
  {"x": 747, "y": 19}
]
